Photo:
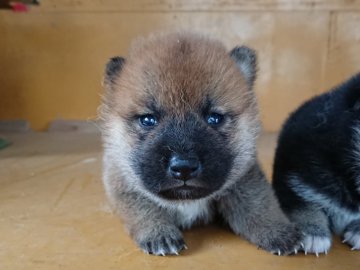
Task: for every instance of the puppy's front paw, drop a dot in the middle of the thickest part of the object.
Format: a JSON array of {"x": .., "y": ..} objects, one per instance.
[
  {"x": 162, "y": 240},
  {"x": 316, "y": 244},
  {"x": 353, "y": 239},
  {"x": 284, "y": 239},
  {"x": 352, "y": 235},
  {"x": 317, "y": 239}
]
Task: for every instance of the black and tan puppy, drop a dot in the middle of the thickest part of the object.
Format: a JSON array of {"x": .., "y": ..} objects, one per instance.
[
  {"x": 317, "y": 167},
  {"x": 180, "y": 122}
]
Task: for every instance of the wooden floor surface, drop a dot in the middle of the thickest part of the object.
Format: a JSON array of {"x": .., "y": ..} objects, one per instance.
[{"x": 54, "y": 215}]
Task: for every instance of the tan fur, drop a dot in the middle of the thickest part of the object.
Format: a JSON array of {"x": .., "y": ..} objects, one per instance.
[{"x": 180, "y": 65}]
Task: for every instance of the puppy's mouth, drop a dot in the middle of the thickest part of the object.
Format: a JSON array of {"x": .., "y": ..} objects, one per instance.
[{"x": 184, "y": 192}]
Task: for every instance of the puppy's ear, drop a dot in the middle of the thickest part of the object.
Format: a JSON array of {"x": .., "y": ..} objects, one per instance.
[
  {"x": 113, "y": 69},
  {"x": 245, "y": 58}
]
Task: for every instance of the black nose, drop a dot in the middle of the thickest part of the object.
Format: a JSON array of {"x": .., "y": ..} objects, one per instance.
[{"x": 184, "y": 168}]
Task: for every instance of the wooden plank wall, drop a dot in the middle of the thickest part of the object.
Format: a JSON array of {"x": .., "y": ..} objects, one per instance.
[{"x": 52, "y": 58}]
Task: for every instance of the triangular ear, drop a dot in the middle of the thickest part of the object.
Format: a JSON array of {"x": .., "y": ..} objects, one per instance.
[
  {"x": 113, "y": 68},
  {"x": 245, "y": 58}
]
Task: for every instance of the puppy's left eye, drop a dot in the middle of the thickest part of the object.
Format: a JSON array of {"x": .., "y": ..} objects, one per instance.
[
  {"x": 148, "y": 120},
  {"x": 214, "y": 119}
]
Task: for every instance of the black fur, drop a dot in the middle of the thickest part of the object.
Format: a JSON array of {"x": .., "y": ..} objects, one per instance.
[
  {"x": 317, "y": 142},
  {"x": 113, "y": 68},
  {"x": 317, "y": 147}
]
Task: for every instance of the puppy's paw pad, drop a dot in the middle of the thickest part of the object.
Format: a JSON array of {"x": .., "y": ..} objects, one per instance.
[
  {"x": 353, "y": 239},
  {"x": 163, "y": 246},
  {"x": 316, "y": 244}
]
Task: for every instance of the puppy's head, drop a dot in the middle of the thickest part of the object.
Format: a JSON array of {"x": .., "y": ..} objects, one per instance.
[{"x": 180, "y": 116}]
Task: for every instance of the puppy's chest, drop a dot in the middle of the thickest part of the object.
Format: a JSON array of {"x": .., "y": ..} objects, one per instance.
[{"x": 188, "y": 214}]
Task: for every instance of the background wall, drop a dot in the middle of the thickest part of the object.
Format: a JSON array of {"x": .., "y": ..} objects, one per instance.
[{"x": 52, "y": 58}]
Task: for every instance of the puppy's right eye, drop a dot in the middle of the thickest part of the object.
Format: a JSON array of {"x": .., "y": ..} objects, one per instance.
[
  {"x": 148, "y": 120},
  {"x": 214, "y": 119}
]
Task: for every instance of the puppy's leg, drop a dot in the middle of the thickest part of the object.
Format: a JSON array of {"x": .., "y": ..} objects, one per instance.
[
  {"x": 149, "y": 225},
  {"x": 315, "y": 225},
  {"x": 352, "y": 235},
  {"x": 251, "y": 209},
  {"x": 306, "y": 214}
]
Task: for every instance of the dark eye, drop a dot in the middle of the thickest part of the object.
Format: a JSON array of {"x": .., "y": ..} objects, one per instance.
[
  {"x": 148, "y": 120},
  {"x": 214, "y": 119}
]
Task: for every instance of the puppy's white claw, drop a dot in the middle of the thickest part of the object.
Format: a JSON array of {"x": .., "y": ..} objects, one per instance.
[
  {"x": 305, "y": 251},
  {"x": 279, "y": 252},
  {"x": 317, "y": 254},
  {"x": 302, "y": 245},
  {"x": 295, "y": 251},
  {"x": 344, "y": 241},
  {"x": 174, "y": 251},
  {"x": 162, "y": 253},
  {"x": 326, "y": 252},
  {"x": 185, "y": 247}
]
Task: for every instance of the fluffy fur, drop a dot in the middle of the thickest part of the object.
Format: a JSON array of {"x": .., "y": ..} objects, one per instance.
[
  {"x": 317, "y": 167},
  {"x": 181, "y": 79}
]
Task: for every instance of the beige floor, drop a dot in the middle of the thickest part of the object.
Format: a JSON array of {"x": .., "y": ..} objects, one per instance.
[{"x": 53, "y": 215}]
